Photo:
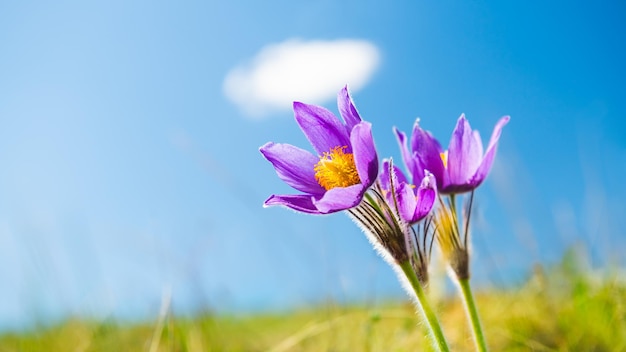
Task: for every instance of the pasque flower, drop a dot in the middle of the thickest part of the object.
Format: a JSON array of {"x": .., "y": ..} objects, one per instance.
[
  {"x": 461, "y": 168},
  {"x": 344, "y": 166}
]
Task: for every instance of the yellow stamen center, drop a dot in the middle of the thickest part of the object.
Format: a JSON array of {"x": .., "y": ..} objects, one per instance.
[
  {"x": 444, "y": 158},
  {"x": 336, "y": 169}
]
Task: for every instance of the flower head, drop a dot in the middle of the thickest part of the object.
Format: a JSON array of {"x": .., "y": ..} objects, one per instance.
[
  {"x": 345, "y": 166},
  {"x": 461, "y": 168}
]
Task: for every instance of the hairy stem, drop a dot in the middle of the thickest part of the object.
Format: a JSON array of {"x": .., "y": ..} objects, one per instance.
[
  {"x": 472, "y": 313},
  {"x": 438, "y": 339}
]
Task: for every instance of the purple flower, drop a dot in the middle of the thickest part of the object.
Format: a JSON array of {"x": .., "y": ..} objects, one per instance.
[
  {"x": 413, "y": 203},
  {"x": 345, "y": 166},
  {"x": 461, "y": 168}
]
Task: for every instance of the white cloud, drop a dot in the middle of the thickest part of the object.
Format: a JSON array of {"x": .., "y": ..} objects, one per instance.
[{"x": 311, "y": 72}]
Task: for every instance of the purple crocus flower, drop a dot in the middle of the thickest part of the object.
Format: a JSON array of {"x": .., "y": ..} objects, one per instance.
[
  {"x": 344, "y": 167},
  {"x": 413, "y": 203},
  {"x": 461, "y": 168}
]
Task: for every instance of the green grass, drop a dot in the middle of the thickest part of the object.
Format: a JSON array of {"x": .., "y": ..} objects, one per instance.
[{"x": 560, "y": 309}]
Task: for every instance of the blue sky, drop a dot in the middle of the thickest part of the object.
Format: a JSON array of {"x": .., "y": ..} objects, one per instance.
[{"x": 129, "y": 170}]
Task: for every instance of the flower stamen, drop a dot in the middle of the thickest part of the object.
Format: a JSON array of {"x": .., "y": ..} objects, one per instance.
[
  {"x": 336, "y": 169},
  {"x": 444, "y": 158}
]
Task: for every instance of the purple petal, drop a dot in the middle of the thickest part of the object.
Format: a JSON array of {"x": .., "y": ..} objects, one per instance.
[
  {"x": 293, "y": 165},
  {"x": 478, "y": 142},
  {"x": 405, "y": 197},
  {"x": 407, "y": 156},
  {"x": 340, "y": 198},
  {"x": 301, "y": 202},
  {"x": 485, "y": 166},
  {"x": 321, "y": 127},
  {"x": 427, "y": 155},
  {"x": 464, "y": 153},
  {"x": 365, "y": 157},
  {"x": 426, "y": 195},
  {"x": 386, "y": 179},
  {"x": 400, "y": 178},
  {"x": 347, "y": 109}
]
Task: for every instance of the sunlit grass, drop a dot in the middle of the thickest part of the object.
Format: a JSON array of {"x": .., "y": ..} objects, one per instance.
[{"x": 563, "y": 308}]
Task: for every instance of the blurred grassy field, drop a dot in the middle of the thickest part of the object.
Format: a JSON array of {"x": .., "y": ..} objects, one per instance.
[{"x": 557, "y": 309}]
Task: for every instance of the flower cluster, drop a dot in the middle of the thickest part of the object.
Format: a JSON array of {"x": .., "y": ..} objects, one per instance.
[
  {"x": 460, "y": 169},
  {"x": 402, "y": 216},
  {"x": 393, "y": 209}
]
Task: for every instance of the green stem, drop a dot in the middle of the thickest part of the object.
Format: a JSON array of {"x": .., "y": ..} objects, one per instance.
[
  {"x": 470, "y": 307},
  {"x": 435, "y": 329}
]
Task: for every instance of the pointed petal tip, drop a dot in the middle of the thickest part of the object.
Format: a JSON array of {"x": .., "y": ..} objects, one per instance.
[
  {"x": 297, "y": 106},
  {"x": 501, "y": 123},
  {"x": 297, "y": 103},
  {"x": 267, "y": 203},
  {"x": 265, "y": 147},
  {"x": 345, "y": 91},
  {"x": 495, "y": 135},
  {"x": 399, "y": 134},
  {"x": 417, "y": 129},
  {"x": 464, "y": 121},
  {"x": 461, "y": 124}
]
